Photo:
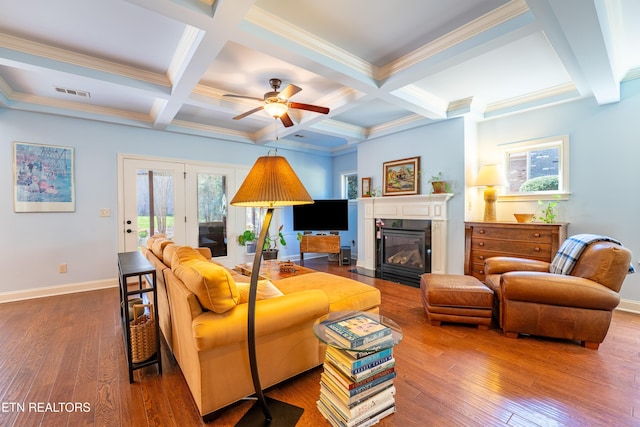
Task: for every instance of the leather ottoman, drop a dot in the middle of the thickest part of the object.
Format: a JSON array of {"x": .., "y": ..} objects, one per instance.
[{"x": 457, "y": 299}]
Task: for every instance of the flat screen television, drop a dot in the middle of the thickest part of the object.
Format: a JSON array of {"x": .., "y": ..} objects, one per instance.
[{"x": 323, "y": 215}]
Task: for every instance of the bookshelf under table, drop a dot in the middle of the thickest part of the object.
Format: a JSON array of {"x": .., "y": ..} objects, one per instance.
[{"x": 356, "y": 386}]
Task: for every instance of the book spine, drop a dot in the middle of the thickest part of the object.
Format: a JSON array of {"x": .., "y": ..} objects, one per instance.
[
  {"x": 359, "y": 363},
  {"x": 371, "y": 378},
  {"x": 371, "y": 384}
]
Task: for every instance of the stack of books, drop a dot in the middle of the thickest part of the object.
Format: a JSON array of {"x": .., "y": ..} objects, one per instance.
[{"x": 356, "y": 386}]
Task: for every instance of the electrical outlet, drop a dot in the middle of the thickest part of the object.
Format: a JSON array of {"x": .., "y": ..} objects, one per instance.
[
  {"x": 104, "y": 212},
  {"x": 62, "y": 268}
]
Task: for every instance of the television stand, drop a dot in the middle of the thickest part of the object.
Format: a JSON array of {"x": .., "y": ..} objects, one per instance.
[{"x": 315, "y": 243}]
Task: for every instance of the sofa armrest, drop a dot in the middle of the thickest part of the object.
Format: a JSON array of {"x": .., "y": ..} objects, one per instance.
[
  {"x": 503, "y": 264},
  {"x": 558, "y": 290},
  {"x": 273, "y": 315}
]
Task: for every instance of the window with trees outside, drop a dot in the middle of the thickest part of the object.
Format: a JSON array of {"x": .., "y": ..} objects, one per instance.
[
  {"x": 350, "y": 186},
  {"x": 537, "y": 168}
]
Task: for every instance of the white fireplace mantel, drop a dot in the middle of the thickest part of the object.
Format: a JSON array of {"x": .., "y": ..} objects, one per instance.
[{"x": 432, "y": 207}]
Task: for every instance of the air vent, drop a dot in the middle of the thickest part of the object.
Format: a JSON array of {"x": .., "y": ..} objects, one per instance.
[
  {"x": 82, "y": 93},
  {"x": 298, "y": 135}
]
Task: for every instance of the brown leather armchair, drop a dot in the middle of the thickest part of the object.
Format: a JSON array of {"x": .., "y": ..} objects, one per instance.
[{"x": 530, "y": 300}]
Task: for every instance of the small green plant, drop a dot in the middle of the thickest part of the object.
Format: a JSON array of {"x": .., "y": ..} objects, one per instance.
[
  {"x": 246, "y": 237},
  {"x": 271, "y": 242},
  {"x": 439, "y": 184},
  {"x": 547, "y": 212}
]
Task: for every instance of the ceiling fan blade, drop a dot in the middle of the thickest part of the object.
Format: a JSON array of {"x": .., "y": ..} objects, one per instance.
[
  {"x": 243, "y": 115},
  {"x": 230, "y": 95},
  {"x": 289, "y": 91},
  {"x": 309, "y": 107},
  {"x": 286, "y": 120}
]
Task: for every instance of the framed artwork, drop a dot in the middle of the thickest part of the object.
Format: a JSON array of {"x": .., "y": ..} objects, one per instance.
[
  {"x": 366, "y": 187},
  {"x": 43, "y": 178},
  {"x": 401, "y": 177}
]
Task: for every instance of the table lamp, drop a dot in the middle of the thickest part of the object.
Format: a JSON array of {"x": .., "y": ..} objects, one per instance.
[
  {"x": 271, "y": 183},
  {"x": 490, "y": 176}
]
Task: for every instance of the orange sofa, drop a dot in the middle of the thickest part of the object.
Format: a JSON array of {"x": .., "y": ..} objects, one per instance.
[{"x": 206, "y": 328}]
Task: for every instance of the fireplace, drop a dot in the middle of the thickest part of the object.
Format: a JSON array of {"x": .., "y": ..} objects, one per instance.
[
  {"x": 425, "y": 207},
  {"x": 404, "y": 250}
]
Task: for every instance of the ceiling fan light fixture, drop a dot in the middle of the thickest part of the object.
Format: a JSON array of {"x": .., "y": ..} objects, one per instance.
[{"x": 275, "y": 108}]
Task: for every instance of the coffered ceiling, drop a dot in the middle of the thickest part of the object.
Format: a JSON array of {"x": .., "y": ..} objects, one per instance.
[{"x": 380, "y": 66}]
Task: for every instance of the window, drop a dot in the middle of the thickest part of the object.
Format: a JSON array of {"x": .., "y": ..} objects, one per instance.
[
  {"x": 350, "y": 186},
  {"x": 537, "y": 168}
]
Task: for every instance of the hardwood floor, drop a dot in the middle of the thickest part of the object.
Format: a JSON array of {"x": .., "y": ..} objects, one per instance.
[{"x": 62, "y": 364}]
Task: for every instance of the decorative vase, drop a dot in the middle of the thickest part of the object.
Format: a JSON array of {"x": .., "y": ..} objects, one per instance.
[{"x": 439, "y": 187}]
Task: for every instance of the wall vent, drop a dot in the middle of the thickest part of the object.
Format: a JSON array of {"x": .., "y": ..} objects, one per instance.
[{"x": 82, "y": 93}]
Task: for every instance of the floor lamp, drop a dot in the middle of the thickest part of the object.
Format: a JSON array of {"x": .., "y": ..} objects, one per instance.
[
  {"x": 490, "y": 176},
  {"x": 271, "y": 183}
]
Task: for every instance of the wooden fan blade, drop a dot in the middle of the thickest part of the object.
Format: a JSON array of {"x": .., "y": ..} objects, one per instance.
[
  {"x": 289, "y": 91},
  {"x": 230, "y": 95},
  {"x": 286, "y": 120},
  {"x": 309, "y": 107},
  {"x": 243, "y": 115}
]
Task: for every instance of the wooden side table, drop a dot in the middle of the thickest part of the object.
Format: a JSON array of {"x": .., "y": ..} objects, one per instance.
[
  {"x": 134, "y": 264},
  {"x": 329, "y": 243}
]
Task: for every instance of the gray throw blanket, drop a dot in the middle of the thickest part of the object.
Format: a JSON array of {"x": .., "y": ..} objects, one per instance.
[{"x": 572, "y": 248}]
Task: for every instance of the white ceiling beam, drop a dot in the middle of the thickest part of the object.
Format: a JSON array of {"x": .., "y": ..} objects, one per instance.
[{"x": 574, "y": 29}]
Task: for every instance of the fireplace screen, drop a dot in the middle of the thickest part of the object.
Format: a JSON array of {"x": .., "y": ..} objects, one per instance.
[{"x": 405, "y": 254}]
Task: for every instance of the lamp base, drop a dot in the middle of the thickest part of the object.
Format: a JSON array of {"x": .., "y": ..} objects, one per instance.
[{"x": 283, "y": 415}]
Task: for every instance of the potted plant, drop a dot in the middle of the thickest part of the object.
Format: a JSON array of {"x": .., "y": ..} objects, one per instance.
[
  {"x": 270, "y": 248},
  {"x": 439, "y": 184},
  {"x": 547, "y": 212},
  {"x": 248, "y": 239}
]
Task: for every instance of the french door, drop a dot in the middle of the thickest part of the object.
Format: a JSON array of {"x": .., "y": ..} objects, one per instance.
[
  {"x": 153, "y": 194},
  {"x": 187, "y": 202}
]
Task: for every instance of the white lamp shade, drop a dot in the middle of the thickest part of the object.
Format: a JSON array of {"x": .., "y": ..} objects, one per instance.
[
  {"x": 491, "y": 175},
  {"x": 275, "y": 108}
]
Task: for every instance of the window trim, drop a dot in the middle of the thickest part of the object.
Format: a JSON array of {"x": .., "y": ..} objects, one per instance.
[
  {"x": 343, "y": 185},
  {"x": 564, "y": 189}
]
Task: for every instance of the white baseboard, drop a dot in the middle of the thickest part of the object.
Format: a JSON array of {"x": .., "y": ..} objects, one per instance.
[
  {"x": 57, "y": 290},
  {"x": 629, "y": 305}
]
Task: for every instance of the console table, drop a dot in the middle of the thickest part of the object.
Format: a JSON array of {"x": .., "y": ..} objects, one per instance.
[
  {"x": 134, "y": 264},
  {"x": 320, "y": 243},
  {"x": 521, "y": 240}
]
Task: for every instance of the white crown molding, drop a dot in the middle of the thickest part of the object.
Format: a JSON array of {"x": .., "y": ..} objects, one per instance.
[
  {"x": 78, "y": 59},
  {"x": 286, "y": 30},
  {"x": 472, "y": 29},
  {"x": 560, "y": 90}
]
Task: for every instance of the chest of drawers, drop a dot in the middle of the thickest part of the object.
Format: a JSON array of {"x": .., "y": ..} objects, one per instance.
[{"x": 488, "y": 239}]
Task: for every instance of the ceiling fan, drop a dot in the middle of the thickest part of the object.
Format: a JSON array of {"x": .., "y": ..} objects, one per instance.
[{"x": 276, "y": 104}]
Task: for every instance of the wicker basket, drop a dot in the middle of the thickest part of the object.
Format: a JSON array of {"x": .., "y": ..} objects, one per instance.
[{"x": 143, "y": 335}]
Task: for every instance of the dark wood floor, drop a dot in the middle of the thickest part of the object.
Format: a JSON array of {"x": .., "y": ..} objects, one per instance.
[{"x": 68, "y": 350}]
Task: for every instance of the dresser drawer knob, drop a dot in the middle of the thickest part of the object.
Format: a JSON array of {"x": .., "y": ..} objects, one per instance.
[
  {"x": 536, "y": 234},
  {"x": 481, "y": 231},
  {"x": 481, "y": 271},
  {"x": 536, "y": 249},
  {"x": 481, "y": 244},
  {"x": 481, "y": 257}
]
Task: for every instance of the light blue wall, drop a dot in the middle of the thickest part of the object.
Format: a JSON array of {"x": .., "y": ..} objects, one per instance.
[
  {"x": 35, "y": 243},
  {"x": 604, "y": 153},
  {"x": 441, "y": 148}
]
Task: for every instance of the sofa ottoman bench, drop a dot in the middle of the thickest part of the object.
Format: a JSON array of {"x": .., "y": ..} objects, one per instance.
[{"x": 457, "y": 299}]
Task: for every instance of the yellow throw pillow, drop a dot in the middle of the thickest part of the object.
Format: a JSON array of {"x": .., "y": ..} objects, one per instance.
[
  {"x": 210, "y": 283},
  {"x": 265, "y": 290}
]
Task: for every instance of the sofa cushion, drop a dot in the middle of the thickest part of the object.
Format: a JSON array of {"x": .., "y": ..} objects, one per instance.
[
  {"x": 158, "y": 246},
  {"x": 210, "y": 283},
  {"x": 344, "y": 294},
  {"x": 265, "y": 290}
]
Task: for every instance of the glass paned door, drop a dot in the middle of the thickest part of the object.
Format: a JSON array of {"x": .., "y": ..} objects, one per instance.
[
  {"x": 153, "y": 201},
  {"x": 212, "y": 212}
]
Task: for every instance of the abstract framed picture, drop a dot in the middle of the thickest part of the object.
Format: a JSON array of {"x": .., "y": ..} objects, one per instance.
[
  {"x": 43, "y": 178},
  {"x": 401, "y": 177}
]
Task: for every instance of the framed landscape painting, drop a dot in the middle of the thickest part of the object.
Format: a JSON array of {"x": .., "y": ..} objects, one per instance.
[
  {"x": 401, "y": 177},
  {"x": 43, "y": 178}
]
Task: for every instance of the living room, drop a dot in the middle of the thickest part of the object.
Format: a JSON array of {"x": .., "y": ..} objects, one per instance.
[{"x": 602, "y": 140}]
